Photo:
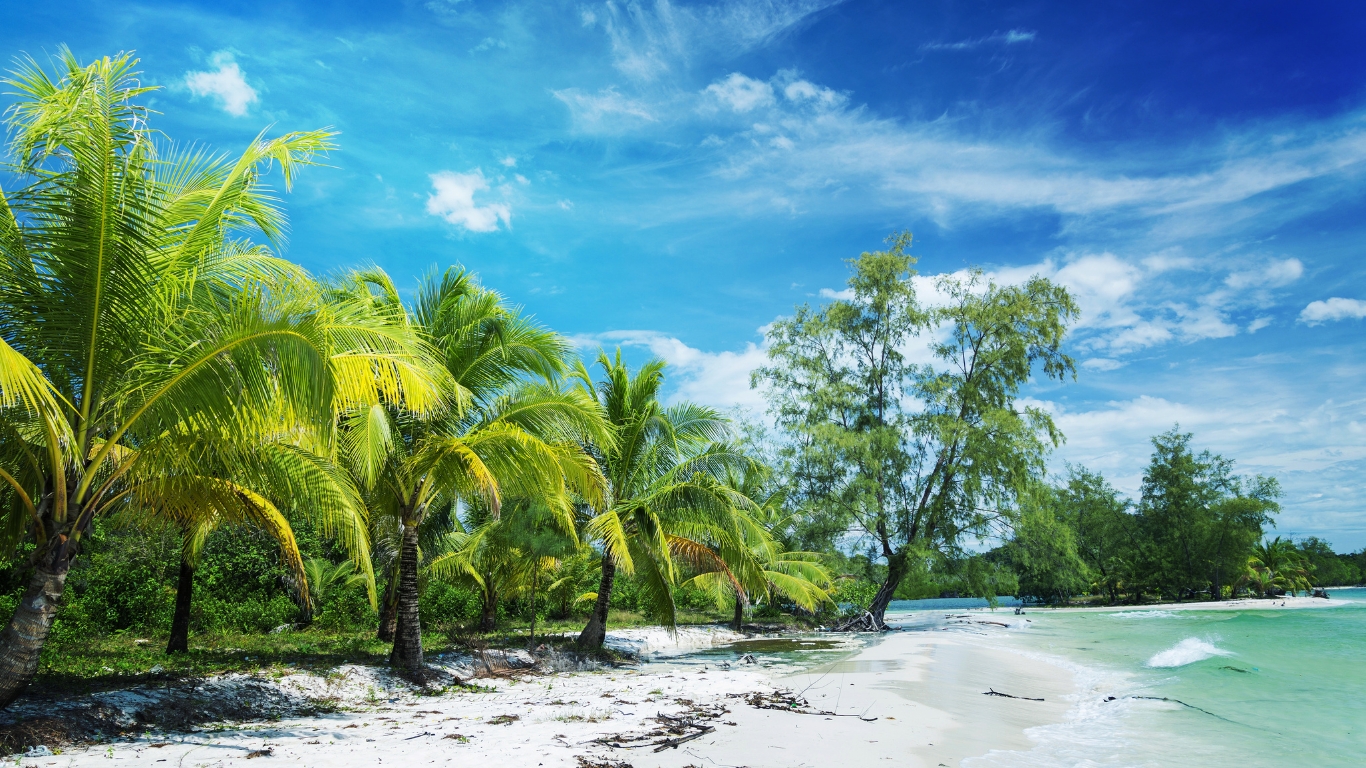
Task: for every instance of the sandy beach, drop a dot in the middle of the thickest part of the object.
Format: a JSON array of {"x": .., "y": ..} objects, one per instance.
[{"x": 911, "y": 697}]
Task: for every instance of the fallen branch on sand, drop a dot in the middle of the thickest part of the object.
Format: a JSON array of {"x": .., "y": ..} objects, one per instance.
[
  {"x": 993, "y": 692},
  {"x": 786, "y": 701}
]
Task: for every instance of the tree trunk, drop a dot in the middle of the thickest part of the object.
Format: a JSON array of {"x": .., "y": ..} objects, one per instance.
[
  {"x": 407, "y": 651},
  {"x": 738, "y": 623},
  {"x": 590, "y": 639},
  {"x": 21, "y": 643},
  {"x": 388, "y": 610},
  {"x": 531, "y": 643},
  {"x": 180, "y": 621},
  {"x": 872, "y": 619},
  {"x": 896, "y": 570},
  {"x": 488, "y": 619}
]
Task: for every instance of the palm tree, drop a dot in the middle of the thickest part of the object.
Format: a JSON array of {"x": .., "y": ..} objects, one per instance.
[
  {"x": 746, "y": 561},
  {"x": 137, "y": 314},
  {"x": 505, "y": 428},
  {"x": 663, "y": 483},
  {"x": 1277, "y": 563}
]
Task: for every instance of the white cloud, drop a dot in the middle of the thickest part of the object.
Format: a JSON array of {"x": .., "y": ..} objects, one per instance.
[
  {"x": 452, "y": 199},
  {"x": 1258, "y": 324},
  {"x": 488, "y": 43},
  {"x": 509, "y": 162},
  {"x": 226, "y": 84},
  {"x": 741, "y": 93},
  {"x": 1101, "y": 364},
  {"x": 605, "y": 111},
  {"x": 1333, "y": 309},
  {"x": 719, "y": 379},
  {"x": 1273, "y": 275}
]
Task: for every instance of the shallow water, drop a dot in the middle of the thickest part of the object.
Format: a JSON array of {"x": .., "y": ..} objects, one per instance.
[{"x": 1256, "y": 687}]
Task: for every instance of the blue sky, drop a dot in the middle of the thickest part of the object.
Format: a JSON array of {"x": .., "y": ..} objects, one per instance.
[{"x": 673, "y": 176}]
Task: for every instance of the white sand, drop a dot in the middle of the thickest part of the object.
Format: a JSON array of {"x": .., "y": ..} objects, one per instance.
[{"x": 924, "y": 689}]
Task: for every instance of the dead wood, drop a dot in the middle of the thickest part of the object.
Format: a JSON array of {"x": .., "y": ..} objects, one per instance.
[{"x": 992, "y": 692}]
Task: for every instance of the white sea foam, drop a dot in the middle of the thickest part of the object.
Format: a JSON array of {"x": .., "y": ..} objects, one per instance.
[
  {"x": 1145, "y": 615},
  {"x": 1188, "y": 651}
]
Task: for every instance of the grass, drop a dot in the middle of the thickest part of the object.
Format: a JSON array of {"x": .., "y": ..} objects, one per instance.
[{"x": 101, "y": 662}]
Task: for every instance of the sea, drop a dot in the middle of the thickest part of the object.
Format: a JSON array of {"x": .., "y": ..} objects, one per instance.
[{"x": 1244, "y": 688}]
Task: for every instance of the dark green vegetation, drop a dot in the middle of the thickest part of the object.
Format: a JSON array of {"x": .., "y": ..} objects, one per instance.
[{"x": 211, "y": 459}]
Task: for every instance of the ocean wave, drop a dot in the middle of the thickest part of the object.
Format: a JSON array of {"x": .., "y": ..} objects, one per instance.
[
  {"x": 1188, "y": 651},
  {"x": 1145, "y": 615}
]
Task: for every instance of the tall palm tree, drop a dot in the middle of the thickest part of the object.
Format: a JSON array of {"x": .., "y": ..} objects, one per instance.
[
  {"x": 663, "y": 475},
  {"x": 505, "y": 429},
  {"x": 137, "y": 312}
]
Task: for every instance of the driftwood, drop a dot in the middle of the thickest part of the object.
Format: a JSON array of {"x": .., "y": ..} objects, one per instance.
[
  {"x": 866, "y": 622},
  {"x": 1182, "y": 703},
  {"x": 994, "y": 692},
  {"x": 674, "y": 730},
  {"x": 673, "y": 743},
  {"x": 786, "y": 701}
]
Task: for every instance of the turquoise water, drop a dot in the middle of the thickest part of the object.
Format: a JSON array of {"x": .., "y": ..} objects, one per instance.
[{"x": 1277, "y": 688}]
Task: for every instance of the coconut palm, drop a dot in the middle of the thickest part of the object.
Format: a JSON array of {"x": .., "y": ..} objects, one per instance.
[
  {"x": 137, "y": 313},
  {"x": 746, "y": 562},
  {"x": 1276, "y": 563},
  {"x": 505, "y": 428},
  {"x": 663, "y": 476}
]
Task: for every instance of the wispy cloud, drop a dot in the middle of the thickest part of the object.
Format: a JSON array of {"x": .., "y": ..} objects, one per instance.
[
  {"x": 651, "y": 40},
  {"x": 1000, "y": 38},
  {"x": 226, "y": 84},
  {"x": 452, "y": 199},
  {"x": 605, "y": 111}
]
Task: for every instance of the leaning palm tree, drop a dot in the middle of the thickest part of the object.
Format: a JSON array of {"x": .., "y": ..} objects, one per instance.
[
  {"x": 505, "y": 428},
  {"x": 664, "y": 484},
  {"x": 137, "y": 311}
]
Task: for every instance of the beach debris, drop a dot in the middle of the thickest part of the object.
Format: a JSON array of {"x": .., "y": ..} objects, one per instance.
[
  {"x": 457, "y": 737},
  {"x": 594, "y": 762},
  {"x": 787, "y": 701},
  {"x": 39, "y": 751},
  {"x": 1182, "y": 703},
  {"x": 673, "y": 731},
  {"x": 262, "y": 752},
  {"x": 418, "y": 736},
  {"x": 504, "y": 719},
  {"x": 994, "y": 692},
  {"x": 866, "y": 622},
  {"x": 749, "y": 659}
]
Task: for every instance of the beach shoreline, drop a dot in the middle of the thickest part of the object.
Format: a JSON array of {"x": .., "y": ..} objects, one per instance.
[{"x": 912, "y": 698}]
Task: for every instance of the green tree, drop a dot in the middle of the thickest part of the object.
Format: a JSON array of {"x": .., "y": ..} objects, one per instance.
[
  {"x": 1198, "y": 520},
  {"x": 136, "y": 314},
  {"x": 1102, "y": 526},
  {"x": 916, "y": 456},
  {"x": 1045, "y": 555}
]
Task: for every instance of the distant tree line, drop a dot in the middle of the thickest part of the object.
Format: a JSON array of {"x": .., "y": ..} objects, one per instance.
[{"x": 1197, "y": 531}]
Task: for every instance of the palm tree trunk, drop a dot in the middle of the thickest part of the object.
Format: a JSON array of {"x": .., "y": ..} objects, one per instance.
[
  {"x": 388, "y": 610},
  {"x": 488, "y": 620},
  {"x": 180, "y": 621},
  {"x": 407, "y": 651},
  {"x": 531, "y": 643},
  {"x": 738, "y": 623},
  {"x": 590, "y": 639},
  {"x": 21, "y": 643}
]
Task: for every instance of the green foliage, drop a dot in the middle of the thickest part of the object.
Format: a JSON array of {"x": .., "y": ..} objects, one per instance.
[
  {"x": 1044, "y": 553},
  {"x": 915, "y": 457}
]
